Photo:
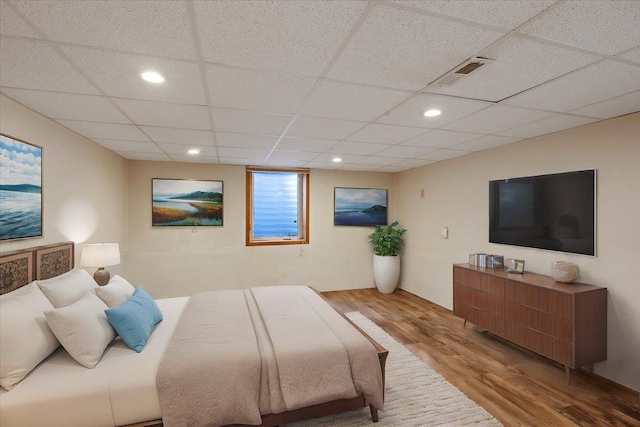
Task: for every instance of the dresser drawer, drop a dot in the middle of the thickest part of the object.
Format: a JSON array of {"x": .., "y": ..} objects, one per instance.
[
  {"x": 553, "y": 348},
  {"x": 480, "y": 281},
  {"x": 481, "y": 318},
  {"x": 547, "y": 323},
  {"x": 543, "y": 299},
  {"x": 479, "y": 299}
]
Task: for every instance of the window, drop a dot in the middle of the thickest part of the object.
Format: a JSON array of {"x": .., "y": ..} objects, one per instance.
[{"x": 277, "y": 206}]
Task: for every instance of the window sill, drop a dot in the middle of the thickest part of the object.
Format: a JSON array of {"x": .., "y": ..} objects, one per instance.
[{"x": 277, "y": 242}]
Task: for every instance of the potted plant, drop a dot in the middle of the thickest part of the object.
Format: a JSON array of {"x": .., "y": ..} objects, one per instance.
[{"x": 386, "y": 242}]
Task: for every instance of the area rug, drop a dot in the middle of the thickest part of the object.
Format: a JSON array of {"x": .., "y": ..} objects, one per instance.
[{"x": 415, "y": 394}]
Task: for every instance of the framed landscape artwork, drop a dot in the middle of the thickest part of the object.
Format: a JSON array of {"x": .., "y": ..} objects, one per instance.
[
  {"x": 20, "y": 189},
  {"x": 189, "y": 203},
  {"x": 360, "y": 206}
]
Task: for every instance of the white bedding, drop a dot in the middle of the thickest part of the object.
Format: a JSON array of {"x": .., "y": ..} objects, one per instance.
[{"x": 120, "y": 390}]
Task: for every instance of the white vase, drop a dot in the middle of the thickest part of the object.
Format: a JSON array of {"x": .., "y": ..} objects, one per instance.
[{"x": 386, "y": 271}]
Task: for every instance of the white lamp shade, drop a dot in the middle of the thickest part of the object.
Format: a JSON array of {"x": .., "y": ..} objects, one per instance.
[{"x": 100, "y": 254}]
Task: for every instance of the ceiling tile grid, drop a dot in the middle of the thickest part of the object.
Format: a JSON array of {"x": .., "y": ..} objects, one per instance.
[{"x": 300, "y": 83}]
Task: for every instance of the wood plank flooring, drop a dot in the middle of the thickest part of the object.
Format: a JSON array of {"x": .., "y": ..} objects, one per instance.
[{"x": 516, "y": 386}]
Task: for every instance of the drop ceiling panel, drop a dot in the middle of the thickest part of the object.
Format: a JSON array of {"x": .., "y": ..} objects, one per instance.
[
  {"x": 319, "y": 128},
  {"x": 441, "y": 138},
  {"x": 351, "y": 102},
  {"x": 275, "y": 35},
  {"x": 193, "y": 159},
  {"x": 296, "y": 156},
  {"x": 158, "y": 27},
  {"x": 519, "y": 65},
  {"x": 257, "y": 90},
  {"x": 29, "y": 64},
  {"x": 68, "y": 106},
  {"x": 444, "y": 154},
  {"x": 136, "y": 146},
  {"x": 238, "y": 161},
  {"x": 624, "y": 104},
  {"x": 591, "y": 84},
  {"x": 355, "y": 167},
  {"x": 608, "y": 27},
  {"x": 228, "y": 120},
  {"x": 379, "y": 161},
  {"x": 485, "y": 142},
  {"x": 118, "y": 74},
  {"x": 306, "y": 144},
  {"x": 179, "y": 136},
  {"x": 144, "y": 156},
  {"x": 496, "y": 119},
  {"x": 405, "y": 50},
  {"x": 322, "y": 165},
  {"x": 243, "y": 153},
  {"x": 411, "y": 112},
  {"x": 181, "y": 149},
  {"x": 105, "y": 130},
  {"x": 346, "y": 158},
  {"x": 12, "y": 25},
  {"x": 549, "y": 125},
  {"x": 404, "y": 151},
  {"x": 505, "y": 14},
  {"x": 386, "y": 134},
  {"x": 632, "y": 55},
  {"x": 412, "y": 163},
  {"x": 284, "y": 163},
  {"x": 164, "y": 114},
  {"x": 359, "y": 148},
  {"x": 245, "y": 140}
]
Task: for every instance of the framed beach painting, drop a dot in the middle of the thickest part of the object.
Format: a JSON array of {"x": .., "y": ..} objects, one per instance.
[
  {"x": 20, "y": 189},
  {"x": 360, "y": 206},
  {"x": 185, "y": 202}
]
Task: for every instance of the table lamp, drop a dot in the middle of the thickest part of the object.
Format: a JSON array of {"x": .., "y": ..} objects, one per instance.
[{"x": 100, "y": 255}]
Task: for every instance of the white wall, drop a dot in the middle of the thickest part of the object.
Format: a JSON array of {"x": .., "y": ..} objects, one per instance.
[
  {"x": 456, "y": 196},
  {"x": 171, "y": 261},
  {"x": 84, "y": 184}
]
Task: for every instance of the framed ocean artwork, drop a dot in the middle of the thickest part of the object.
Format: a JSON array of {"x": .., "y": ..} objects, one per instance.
[
  {"x": 20, "y": 189},
  {"x": 185, "y": 202},
  {"x": 360, "y": 206}
]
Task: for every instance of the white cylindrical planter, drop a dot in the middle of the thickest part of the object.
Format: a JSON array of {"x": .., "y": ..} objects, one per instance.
[{"x": 386, "y": 271}]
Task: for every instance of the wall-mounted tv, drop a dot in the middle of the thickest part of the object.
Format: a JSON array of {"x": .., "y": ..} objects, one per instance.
[{"x": 555, "y": 212}]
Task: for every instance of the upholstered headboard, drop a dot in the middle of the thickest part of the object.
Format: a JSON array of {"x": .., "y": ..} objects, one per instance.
[{"x": 21, "y": 267}]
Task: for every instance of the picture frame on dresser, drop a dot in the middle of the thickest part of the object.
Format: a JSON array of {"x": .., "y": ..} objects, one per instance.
[{"x": 20, "y": 189}]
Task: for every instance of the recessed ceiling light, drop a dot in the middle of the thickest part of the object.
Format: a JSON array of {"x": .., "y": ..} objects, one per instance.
[
  {"x": 432, "y": 113},
  {"x": 152, "y": 76},
  {"x": 337, "y": 159},
  {"x": 194, "y": 151}
]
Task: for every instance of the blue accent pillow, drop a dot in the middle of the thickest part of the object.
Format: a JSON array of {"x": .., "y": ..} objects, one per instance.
[{"x": 135, "y": 319}]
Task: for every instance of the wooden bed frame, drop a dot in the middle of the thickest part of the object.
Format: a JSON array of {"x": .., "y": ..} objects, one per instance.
[{"x": 21, "y": 267}]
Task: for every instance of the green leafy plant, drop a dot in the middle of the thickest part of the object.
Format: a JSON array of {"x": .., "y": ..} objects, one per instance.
[{"x": 387, "y": 241}]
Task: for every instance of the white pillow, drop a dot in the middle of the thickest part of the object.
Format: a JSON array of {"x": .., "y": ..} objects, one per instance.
[
  {"x": 67, "y": 288},
  {"x": 82, "y": 328},
  {"x": 25, "y": 337},
  {"x": 116, "y": 292}
]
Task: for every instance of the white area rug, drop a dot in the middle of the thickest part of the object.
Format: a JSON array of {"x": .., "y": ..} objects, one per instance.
[{"x": 415, "y": 394}]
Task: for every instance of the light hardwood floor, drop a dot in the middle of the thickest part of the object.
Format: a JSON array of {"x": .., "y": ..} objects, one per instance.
[{"x": 516, "y": 386}]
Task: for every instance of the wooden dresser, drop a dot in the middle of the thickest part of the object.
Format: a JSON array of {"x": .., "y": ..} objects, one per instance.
[{"x": 564, "y": 322}]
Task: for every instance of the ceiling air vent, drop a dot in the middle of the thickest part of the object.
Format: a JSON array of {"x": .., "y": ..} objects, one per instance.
[{"x": 461, "y": 71}]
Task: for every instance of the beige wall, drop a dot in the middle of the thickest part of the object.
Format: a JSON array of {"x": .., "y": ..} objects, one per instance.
[
  {"x": 84, "y": 185},
  {"x": 456, "y": 196},
  {"x": 171, "y": 261}
]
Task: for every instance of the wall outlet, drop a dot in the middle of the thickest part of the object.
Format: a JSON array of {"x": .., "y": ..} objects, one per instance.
[
  {"x": 445, "y": 232},
  {"x": 422, "y": 193}
]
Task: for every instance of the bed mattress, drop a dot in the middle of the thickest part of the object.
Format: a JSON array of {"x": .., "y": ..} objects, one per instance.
[{"x": 120, "y": 390}]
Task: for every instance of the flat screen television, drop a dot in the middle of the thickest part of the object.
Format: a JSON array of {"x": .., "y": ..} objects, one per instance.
[{"x": 555, "y": 212}]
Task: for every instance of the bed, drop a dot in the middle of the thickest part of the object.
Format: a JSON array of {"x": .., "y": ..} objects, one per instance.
[{"x": 121, "y": 390}]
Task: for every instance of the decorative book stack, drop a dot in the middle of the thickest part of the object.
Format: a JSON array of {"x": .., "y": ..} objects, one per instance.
[{"x": 485, "y": 260}]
